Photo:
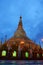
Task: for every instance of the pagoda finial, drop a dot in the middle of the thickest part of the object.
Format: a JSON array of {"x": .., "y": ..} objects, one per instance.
[
  {"x": 20, "y": 22},
  {"x": 20, "y": 17}
]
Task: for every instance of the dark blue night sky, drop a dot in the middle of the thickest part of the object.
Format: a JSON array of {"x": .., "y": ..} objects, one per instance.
[{"x": 32, "y": 17}]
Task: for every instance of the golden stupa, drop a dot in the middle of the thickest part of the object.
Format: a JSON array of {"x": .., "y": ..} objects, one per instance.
[
  {"x": 20, "y": 38},
  {"x": 20, "y": 42}
]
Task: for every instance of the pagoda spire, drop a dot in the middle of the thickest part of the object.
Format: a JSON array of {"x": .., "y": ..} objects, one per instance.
[
  {"x": 0, "y": 43},
  {"x": 20, "y": 31},
  {"x": 5, "y": 38},
  {"x": 20, "y": 23}
]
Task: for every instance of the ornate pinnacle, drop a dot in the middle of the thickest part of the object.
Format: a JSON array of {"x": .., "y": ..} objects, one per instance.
[{"x": 20, "y": 23}]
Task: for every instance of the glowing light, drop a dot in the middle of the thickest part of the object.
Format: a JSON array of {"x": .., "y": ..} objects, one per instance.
[
  {"x": 26, "y": 54},
  {"x": 3, "y": 53},
  {"x": 14, "y": 54},
  {"x": 22, "y": 42}
]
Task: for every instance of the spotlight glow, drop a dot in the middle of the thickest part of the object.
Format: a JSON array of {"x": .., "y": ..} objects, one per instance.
[
  {"x": 3, "y": 53},
  {"x": 14, "y": 54}
]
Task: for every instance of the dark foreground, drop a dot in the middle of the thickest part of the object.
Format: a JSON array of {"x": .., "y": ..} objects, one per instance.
[{"x": 21, "y": 62}]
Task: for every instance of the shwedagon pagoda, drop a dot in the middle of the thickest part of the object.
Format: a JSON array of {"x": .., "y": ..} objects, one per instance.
[{"x": 19, "y": 46}]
